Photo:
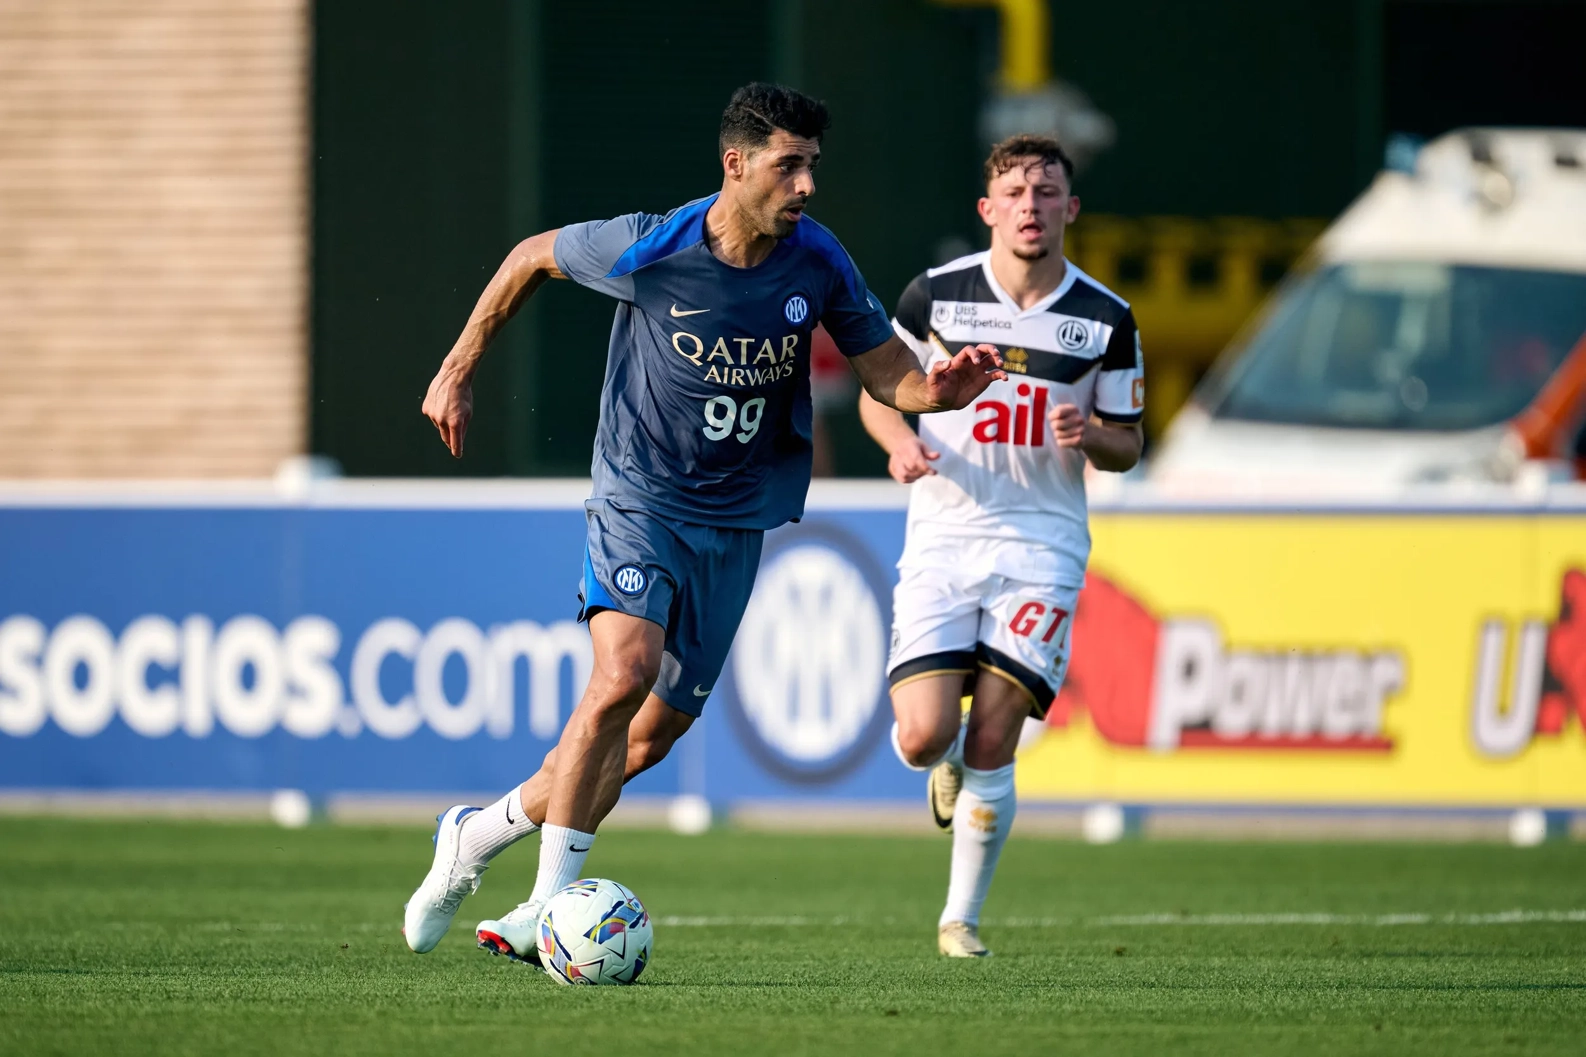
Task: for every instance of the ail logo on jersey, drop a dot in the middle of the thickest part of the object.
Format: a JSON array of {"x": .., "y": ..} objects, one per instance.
[
  {"x": 740, "y": 361},
  {"x": 796, "y": 310},
  {"x": 1021, "y": 423},
  {"x": 1175, "y": 684}
]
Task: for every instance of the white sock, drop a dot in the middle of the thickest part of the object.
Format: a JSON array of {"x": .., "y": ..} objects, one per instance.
[
  {"x": 489, "y": 832},
  {"x": 954, "y": 753},
  {"x": 562, "y": 855},
  {"x": 981, "y": 822}
]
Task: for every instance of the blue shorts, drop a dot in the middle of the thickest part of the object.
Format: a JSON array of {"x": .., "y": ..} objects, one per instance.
[{"x": 693, "y": 580}]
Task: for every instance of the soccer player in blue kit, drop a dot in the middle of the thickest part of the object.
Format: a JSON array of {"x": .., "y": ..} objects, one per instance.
[{"x": 703, "y": 445}]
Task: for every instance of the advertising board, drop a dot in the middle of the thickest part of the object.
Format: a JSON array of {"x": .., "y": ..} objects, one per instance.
[
  {"x": 1426, "y": 658},
  {"x": 414, "y": 639}
]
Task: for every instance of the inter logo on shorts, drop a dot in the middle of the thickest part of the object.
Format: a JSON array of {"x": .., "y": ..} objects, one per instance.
[
  {"x": 1073, "y": 335},
  {"x": 796, "y": 309},
  {"x": 630, "y": 580}
]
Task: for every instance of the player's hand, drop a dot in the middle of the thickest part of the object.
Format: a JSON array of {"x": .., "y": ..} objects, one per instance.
[
  {"x": 450, "y": 405},
  {"x": 952, "y": 384},
  {"x": 1068, "y": 425},
  {"x": 911, "y": 461}
]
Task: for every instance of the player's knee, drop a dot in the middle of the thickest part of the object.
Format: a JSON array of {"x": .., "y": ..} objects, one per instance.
[
  {"x": 925, "y": 743},
  {"x": 623, "y": 685}
]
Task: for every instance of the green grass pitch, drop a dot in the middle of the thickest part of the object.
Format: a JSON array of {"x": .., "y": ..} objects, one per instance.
[{"x": 170, "y": 938}]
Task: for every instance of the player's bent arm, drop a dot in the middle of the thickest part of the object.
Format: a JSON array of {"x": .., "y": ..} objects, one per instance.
[
  {"x": 449, "y": 402},
  {"x": 890, "y": 374},
  {"x": 530, "y": 263},
  {"x": 885, "y": 425},
  {"x": 1112, "y": 446},
  {"x": 908, "y": 457}
]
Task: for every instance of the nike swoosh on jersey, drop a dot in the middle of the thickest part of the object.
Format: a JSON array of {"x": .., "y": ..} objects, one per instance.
[
  {"x": 700, "y": 693},
  {"x": 691, "y": 312}
]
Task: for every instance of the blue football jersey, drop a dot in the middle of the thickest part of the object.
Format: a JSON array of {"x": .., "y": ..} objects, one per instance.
[{"x": 705, "y": 412}]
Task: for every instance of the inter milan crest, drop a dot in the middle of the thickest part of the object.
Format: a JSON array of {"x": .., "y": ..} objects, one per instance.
[
  {"x": 796, "y": 309},
  {"x": 630, "y": 580}
]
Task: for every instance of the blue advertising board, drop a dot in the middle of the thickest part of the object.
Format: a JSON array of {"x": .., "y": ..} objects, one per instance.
[{"x": 367, "y": 638}]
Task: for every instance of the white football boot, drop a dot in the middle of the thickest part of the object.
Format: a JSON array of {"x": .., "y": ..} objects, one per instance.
[
  {"x": 959, "y": 939},
  {"x": 516, "y": 934},
  {"x": 434, "y": 903}
]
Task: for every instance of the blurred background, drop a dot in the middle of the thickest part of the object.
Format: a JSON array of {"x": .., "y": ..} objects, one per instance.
[
  {"x": 239, "y": 232},
  {"x": 237, "y": 237}
]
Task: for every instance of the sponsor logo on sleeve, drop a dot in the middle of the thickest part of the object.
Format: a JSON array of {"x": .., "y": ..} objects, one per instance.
[{"x": 630, "y": 580}]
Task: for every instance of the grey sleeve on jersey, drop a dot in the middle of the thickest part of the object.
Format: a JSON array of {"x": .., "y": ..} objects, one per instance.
[{"x": 588, "y": 253}]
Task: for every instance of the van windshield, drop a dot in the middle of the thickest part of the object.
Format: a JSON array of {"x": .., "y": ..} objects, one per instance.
[{"x": 1384, "y": 345}]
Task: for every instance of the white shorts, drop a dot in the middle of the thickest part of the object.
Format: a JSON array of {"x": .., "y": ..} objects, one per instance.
[{"x": 949, "y": 622}]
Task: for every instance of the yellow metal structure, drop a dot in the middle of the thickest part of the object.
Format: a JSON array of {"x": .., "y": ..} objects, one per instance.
[
  {"x": 1026, "y": 41},
  {"x": 1193, "y": 283}
]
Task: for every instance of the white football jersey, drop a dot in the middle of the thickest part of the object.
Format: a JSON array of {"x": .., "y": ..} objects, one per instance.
[{"x": 1001, "y": 476}]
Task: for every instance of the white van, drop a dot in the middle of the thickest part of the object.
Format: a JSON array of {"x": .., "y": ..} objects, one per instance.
[{"x": 1435, "y": 333}]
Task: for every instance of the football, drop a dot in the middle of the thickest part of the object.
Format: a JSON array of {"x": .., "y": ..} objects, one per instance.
[{"x": 595, "y": 932}]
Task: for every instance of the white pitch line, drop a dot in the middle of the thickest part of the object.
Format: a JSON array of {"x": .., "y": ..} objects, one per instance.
[
  {"x": 1506, "y": 917},
  {"x": 1502, "y": 917}
]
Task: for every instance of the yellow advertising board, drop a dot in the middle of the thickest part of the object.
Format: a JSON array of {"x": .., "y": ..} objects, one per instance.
[{"x": 1317, "y": 659}]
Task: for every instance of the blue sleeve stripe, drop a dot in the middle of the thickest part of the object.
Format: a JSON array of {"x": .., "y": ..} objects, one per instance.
[
  {"x": 684, "y": 227},
  {"x": 818, "y": 239}
]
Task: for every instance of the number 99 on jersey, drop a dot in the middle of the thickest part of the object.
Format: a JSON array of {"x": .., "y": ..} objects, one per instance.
[{"x": 723, "y": 412}]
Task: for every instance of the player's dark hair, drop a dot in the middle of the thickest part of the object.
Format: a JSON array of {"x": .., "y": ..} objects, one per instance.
[
  {"x": 1016, "y": 151},
  {"x": 759, "y": 109}
]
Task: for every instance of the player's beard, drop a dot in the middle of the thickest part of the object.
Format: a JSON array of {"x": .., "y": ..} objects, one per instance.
[
  {"x": 781, "y": 227},
  {"x": 1036, "y": 253}
]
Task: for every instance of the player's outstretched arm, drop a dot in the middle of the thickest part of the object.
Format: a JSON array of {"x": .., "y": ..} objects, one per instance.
[
  {"x": 890, "y": 373},
  {"x": 449, "y": 403}
]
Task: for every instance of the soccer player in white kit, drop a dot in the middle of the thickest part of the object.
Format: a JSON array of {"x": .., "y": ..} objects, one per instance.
[{"x": 998, "y": 533}]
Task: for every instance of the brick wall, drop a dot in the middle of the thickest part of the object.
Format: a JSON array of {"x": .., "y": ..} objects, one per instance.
[{"x": 152, "y": 237}]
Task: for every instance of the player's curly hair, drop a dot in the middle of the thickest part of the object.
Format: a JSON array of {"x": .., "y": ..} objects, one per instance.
[
  {"x": 1015, "y": 150},
  {"x": 756, "y": 110}
]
